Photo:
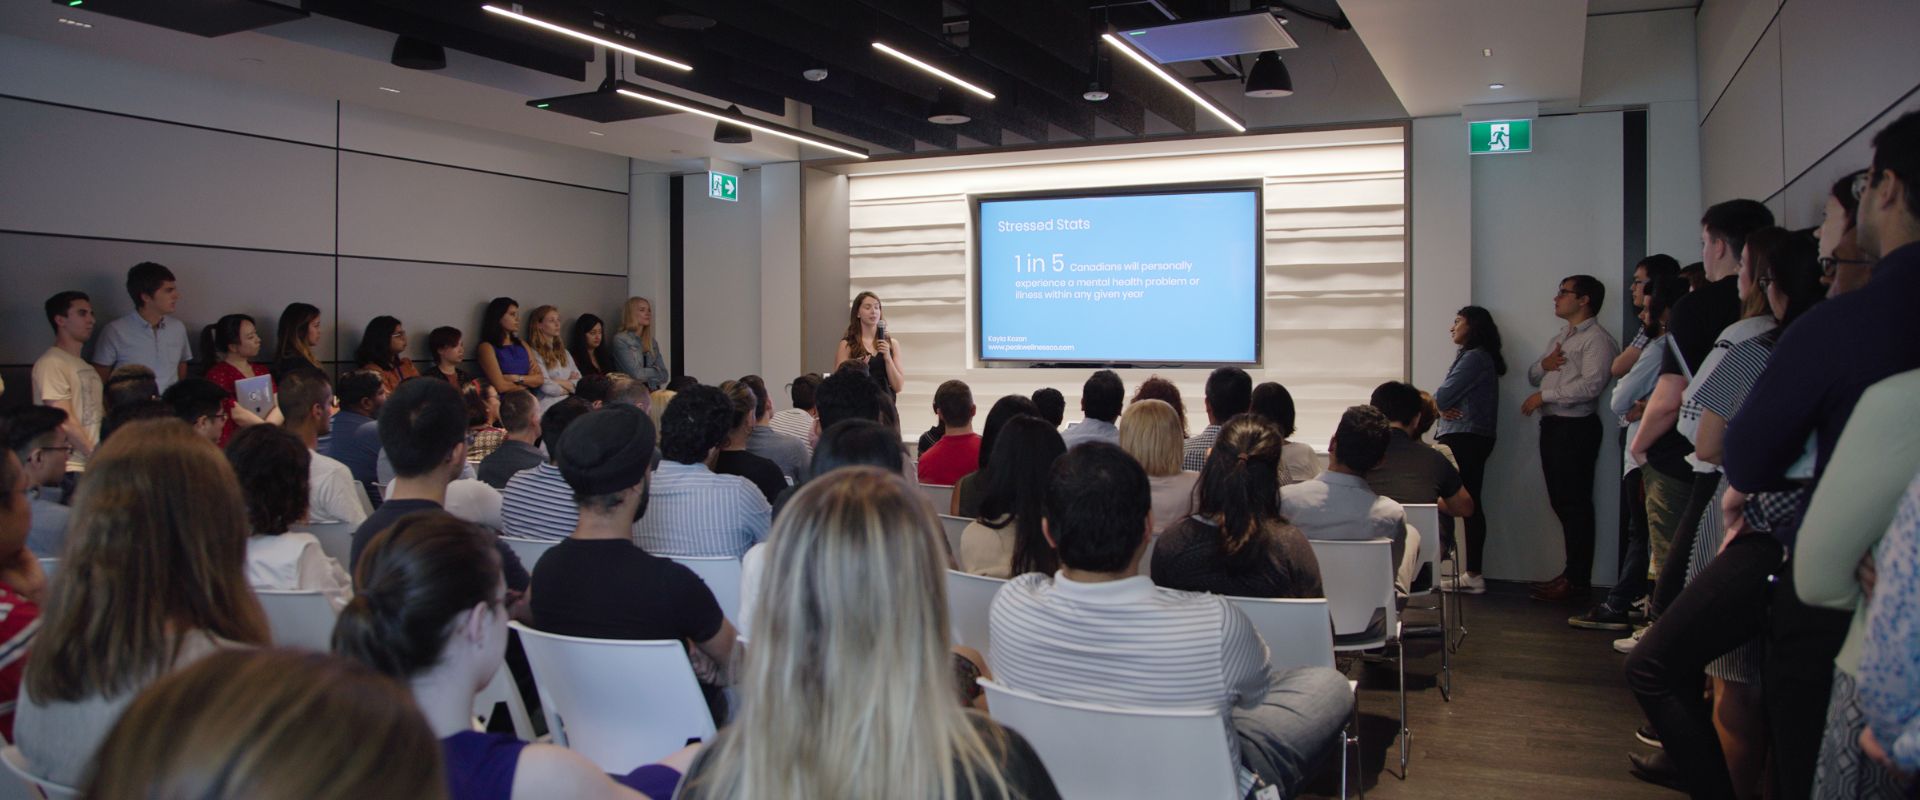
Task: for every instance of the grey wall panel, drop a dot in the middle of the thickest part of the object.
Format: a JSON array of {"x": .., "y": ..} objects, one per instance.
[
  {"x": 426, "y": 296},
  {"x": 1740, "y": 144},
  {"x": 722, "y": 282},
  {"x": 92, "y": 174},
  {"x": 372, "y": 130},
  {"x": 1841, "y": 64},
  {"x": 390, "y": 208},
  {"x": 213, "y": 282}
]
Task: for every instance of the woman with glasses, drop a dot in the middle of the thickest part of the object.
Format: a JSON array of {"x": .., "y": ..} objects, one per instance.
[
  {"x": 383, "y": 348},
  {"x": 1844, "y": 267}
]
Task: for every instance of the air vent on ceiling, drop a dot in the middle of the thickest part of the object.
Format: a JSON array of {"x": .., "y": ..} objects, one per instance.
[{"x": 1193, "y": 40}]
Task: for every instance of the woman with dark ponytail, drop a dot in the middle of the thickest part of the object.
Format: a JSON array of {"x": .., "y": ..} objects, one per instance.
[
  {"x": 227, "y": 349},
  {"x": 430, "y": 611},
  {"x": 1237, "y": 543},
  {"x": 1469, "y": 399}
]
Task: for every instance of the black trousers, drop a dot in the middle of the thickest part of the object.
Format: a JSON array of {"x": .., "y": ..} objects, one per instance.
[
  {"x": 1726, "y": 605},
  {"x": 1673, "y": 571},
  {"x": 1472, "y": 451},
  {"x": 1569, "y": 449},
  {"x": 1632, "y": 583},
  {"x": 1801, "y": 644}
]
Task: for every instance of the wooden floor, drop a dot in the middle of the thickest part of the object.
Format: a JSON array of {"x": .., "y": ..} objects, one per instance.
[{"x": 1539, "y": 709}]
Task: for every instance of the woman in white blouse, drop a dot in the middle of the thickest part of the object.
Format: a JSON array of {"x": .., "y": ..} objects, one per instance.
[
  {"x": 543, "y": 338},
  {"x": 271, "y": 463},
  {"x": 1150, "y": 432}
]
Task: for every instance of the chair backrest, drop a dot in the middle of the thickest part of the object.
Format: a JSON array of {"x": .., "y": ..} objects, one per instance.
[
  {"x": 953, "y": 526},
  {"x": 619, "y": 703},
  {"x": 503, "y": 689},
  {"x": 529, "y": 550},
  {"x": 336, "y": 540},
  {"x": 17, "y": 764},
  {"x": 50, "y": 566},
  {"x": 299, "y": 619},
  {"x": 722, "y": 576},
  {"x": 940, "y": 496},
  {"x": 1425, "y": 518},
  {"x": 1097, "y": 751},
  {"x": 1298, "y": 632},
  {"x": 969, "y": 599},
  {"x": 1358, "y": 576}
]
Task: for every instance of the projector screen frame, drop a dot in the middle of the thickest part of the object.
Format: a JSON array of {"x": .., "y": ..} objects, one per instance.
[{"x": 1256, "y": 185}]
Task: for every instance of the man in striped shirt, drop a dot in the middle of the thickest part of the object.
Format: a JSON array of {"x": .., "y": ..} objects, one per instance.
[
  {"x": 1100, "y": 632},
  {"x": 694, "y": 511},
  {"x": 537, "y": 503},
  {"x": 797, "y": 421},
  {"x": 1229, "y": 392}
]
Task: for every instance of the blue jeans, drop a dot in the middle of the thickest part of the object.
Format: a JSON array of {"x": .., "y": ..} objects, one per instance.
[{"x": 1296, "y": 727}]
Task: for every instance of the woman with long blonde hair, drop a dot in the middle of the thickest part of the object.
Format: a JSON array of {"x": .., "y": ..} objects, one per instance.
[
  {"x": 153, "y": 578},
  {"x": 547, "y": 344},
  {"x": 866, "y": 340},
  {"x": 1150, "y": 431},
  {"x": 270, "y": 725},
  {"x": 856, "y": 579},
  {"x": 636, "y": 351}
]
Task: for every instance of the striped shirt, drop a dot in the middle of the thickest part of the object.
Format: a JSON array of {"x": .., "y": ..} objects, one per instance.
[
  {"x": 694, "y": 512},
  {"x": 786, "y": 452},
  {"x": 1127, "y": 643},
  {"x": 538, "y": 504},
  {"x": 19, "y": 621},
  {"x": 1194, "y": 455},
  {"x": 795, "y": 423}
]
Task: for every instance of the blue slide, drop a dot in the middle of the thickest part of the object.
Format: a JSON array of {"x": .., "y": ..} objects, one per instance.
[{"x": 1141, "y": 279}]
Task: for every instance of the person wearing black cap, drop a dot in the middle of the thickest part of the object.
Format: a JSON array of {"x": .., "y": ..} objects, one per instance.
[{"x": 597, "y": 583}]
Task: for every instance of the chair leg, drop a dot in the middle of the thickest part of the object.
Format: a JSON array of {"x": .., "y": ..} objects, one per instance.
[
  {"x": 1405, "y": 734},
  {"x": 1446, "y": 655}
]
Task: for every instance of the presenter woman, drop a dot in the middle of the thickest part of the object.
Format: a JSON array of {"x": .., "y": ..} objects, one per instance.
[
  {"x": 1468, "y": 398},
  {"x": 636, "y": 351},
  {"x": 504, "y": 359},
  {"x": 867, "y": 340}
]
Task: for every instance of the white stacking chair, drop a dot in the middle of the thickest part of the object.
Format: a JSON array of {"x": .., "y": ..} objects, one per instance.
[
  {"x": 299, "y": 619},
  {"x": 620, "y": 703},
  {"x": 940, "y": 496},
  {"x": 969, "y": 600},
  {"x": 1425, "y": 518},
  {"x": 336, "y": 540},
  {"x": 36, "y": 786},
  {"x": 722, "y": 576},
  {"x": 1358, "y": 576},
  {"x": 1299, "y": 633},
  {"x": 529, "y": 550},
  {"x": 503, "y": 689},
  {"x": 1096, "y": 751},
  {"x": 953, "y": 526}
]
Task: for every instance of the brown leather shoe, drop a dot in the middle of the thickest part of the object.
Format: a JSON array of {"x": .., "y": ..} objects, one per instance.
[{"x": 1557, "y": 590}]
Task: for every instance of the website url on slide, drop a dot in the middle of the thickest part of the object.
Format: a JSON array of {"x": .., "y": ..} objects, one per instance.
[{"x": 1019, "y": 344}]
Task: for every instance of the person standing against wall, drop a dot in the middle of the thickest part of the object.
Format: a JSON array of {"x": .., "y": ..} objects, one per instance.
[{"x": 1571, "y": 376}]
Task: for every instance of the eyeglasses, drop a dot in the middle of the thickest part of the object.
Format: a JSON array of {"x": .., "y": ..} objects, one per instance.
[
  {"x": 59, "y": 448},
  {"x": 1763, "y": 282},
  {"x": 1829, "y": 264},
  {"x": 1564, "y": 292},
  {"x": 1642, "y": 281},
  {"x": 1860, "y": 183}
]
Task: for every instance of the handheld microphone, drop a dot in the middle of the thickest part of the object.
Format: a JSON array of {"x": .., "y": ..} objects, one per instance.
[{"x": 880, "y": 330}]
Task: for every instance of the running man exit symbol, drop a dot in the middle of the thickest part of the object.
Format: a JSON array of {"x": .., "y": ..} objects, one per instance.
[{"x": 1501, "y": 137}]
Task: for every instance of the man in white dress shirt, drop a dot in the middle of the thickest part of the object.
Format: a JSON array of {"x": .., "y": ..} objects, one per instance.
[{"x": 1575, "y": 369}]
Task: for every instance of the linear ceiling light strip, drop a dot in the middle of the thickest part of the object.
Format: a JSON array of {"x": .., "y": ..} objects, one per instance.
[
  {"x": 587, "y": 37},
  {"x": 743, "y": 121},
  {"x": 929, "y": 68},
  {"x": 1173, "y": 81}
]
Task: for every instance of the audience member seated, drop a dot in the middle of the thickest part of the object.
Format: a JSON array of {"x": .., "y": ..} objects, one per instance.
[
  {"x": 597, "y": 390},
  {"x": 786, "y": 452},
  {"x": 23, "y": 586},
  {"x": 957, "y": 452},
  {"x": 356, "y": 440},
  {"x": 733, "y": 458},
  {"x": 1297, "y": 461},
  {"x": 1158, "y": 388},
  {"x": 591, "y": 347},
  {"x": 449, "y": 349},
  {"x": 1236, "y": 543},
  {"x": 636, "y": 350},
  {"x": 809, "y": 731},
  {"x": 200, "y": 403},
  {"x": 536, "y": 503},
  {"x": 484, "y": 433},
  {"x": 432, "y": 613},
  {"x": 505, "y": 362},
  {"x": 797, "y": 421},
  {"x": 852, "y": 442},
  {"x": 1340, "y": 505},
  {"x": 1100, "y": 402},
  {"x": 543, "y": 338},
  {"x": 298, "y": 336},
  {"x": 333, "y": 495},
  {"x": 1229, "y": 392},
  {"x": 1100, "y": 632},
  {"x": 657, "y": 404},
  {"x": 133, "y": 411},
  {"x": 1150, "y": 432},
  {"x": 969, "y": 489},
  {"x": 271, "y": 724},
  {"x": 694, "y": 511},
  {"x": 1052, "y": 405},
  {"x": 1006, "y": 539},
  {"x": 41, "y": 441},
  {"x": 150, "y": 336},
  {"x": 129, "y": 383},
  {"x": 272, "y": 465},
  {"x": 682, "y": 383},
  {"x": 64, "y": 380},
  {"x": 227, "y": 349},
  {"x": 158, "y": 546},
  {"x": 520, "y": 450},
  {"x": 850, "y": 393},
  {"x": 1413, "y": 471},
  {"x": 383, "y": 349},
  {"x": 596, "y": 583}
]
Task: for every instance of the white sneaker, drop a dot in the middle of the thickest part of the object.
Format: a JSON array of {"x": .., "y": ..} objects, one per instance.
[
  {"x": 1626, "y": 645},
  {"x": 1468, "y": 584}
]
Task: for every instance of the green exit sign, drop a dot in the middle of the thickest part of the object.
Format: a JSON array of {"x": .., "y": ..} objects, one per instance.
[
  {"x": 1500, "y": 136},
  {"x": 721, "y": 186}
]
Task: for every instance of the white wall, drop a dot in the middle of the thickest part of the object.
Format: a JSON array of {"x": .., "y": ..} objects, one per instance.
[
  {"x": 257, "y": 199},
  {"x": 1442, "y": 218},
  {"x": 721, "y": 281}
]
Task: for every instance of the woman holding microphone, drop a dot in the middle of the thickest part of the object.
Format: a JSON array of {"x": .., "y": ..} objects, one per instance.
[{"x": 867, "y": 340}]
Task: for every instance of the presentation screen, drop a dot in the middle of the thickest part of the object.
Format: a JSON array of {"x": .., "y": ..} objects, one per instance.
[{"x": 1141, "y": 277}]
